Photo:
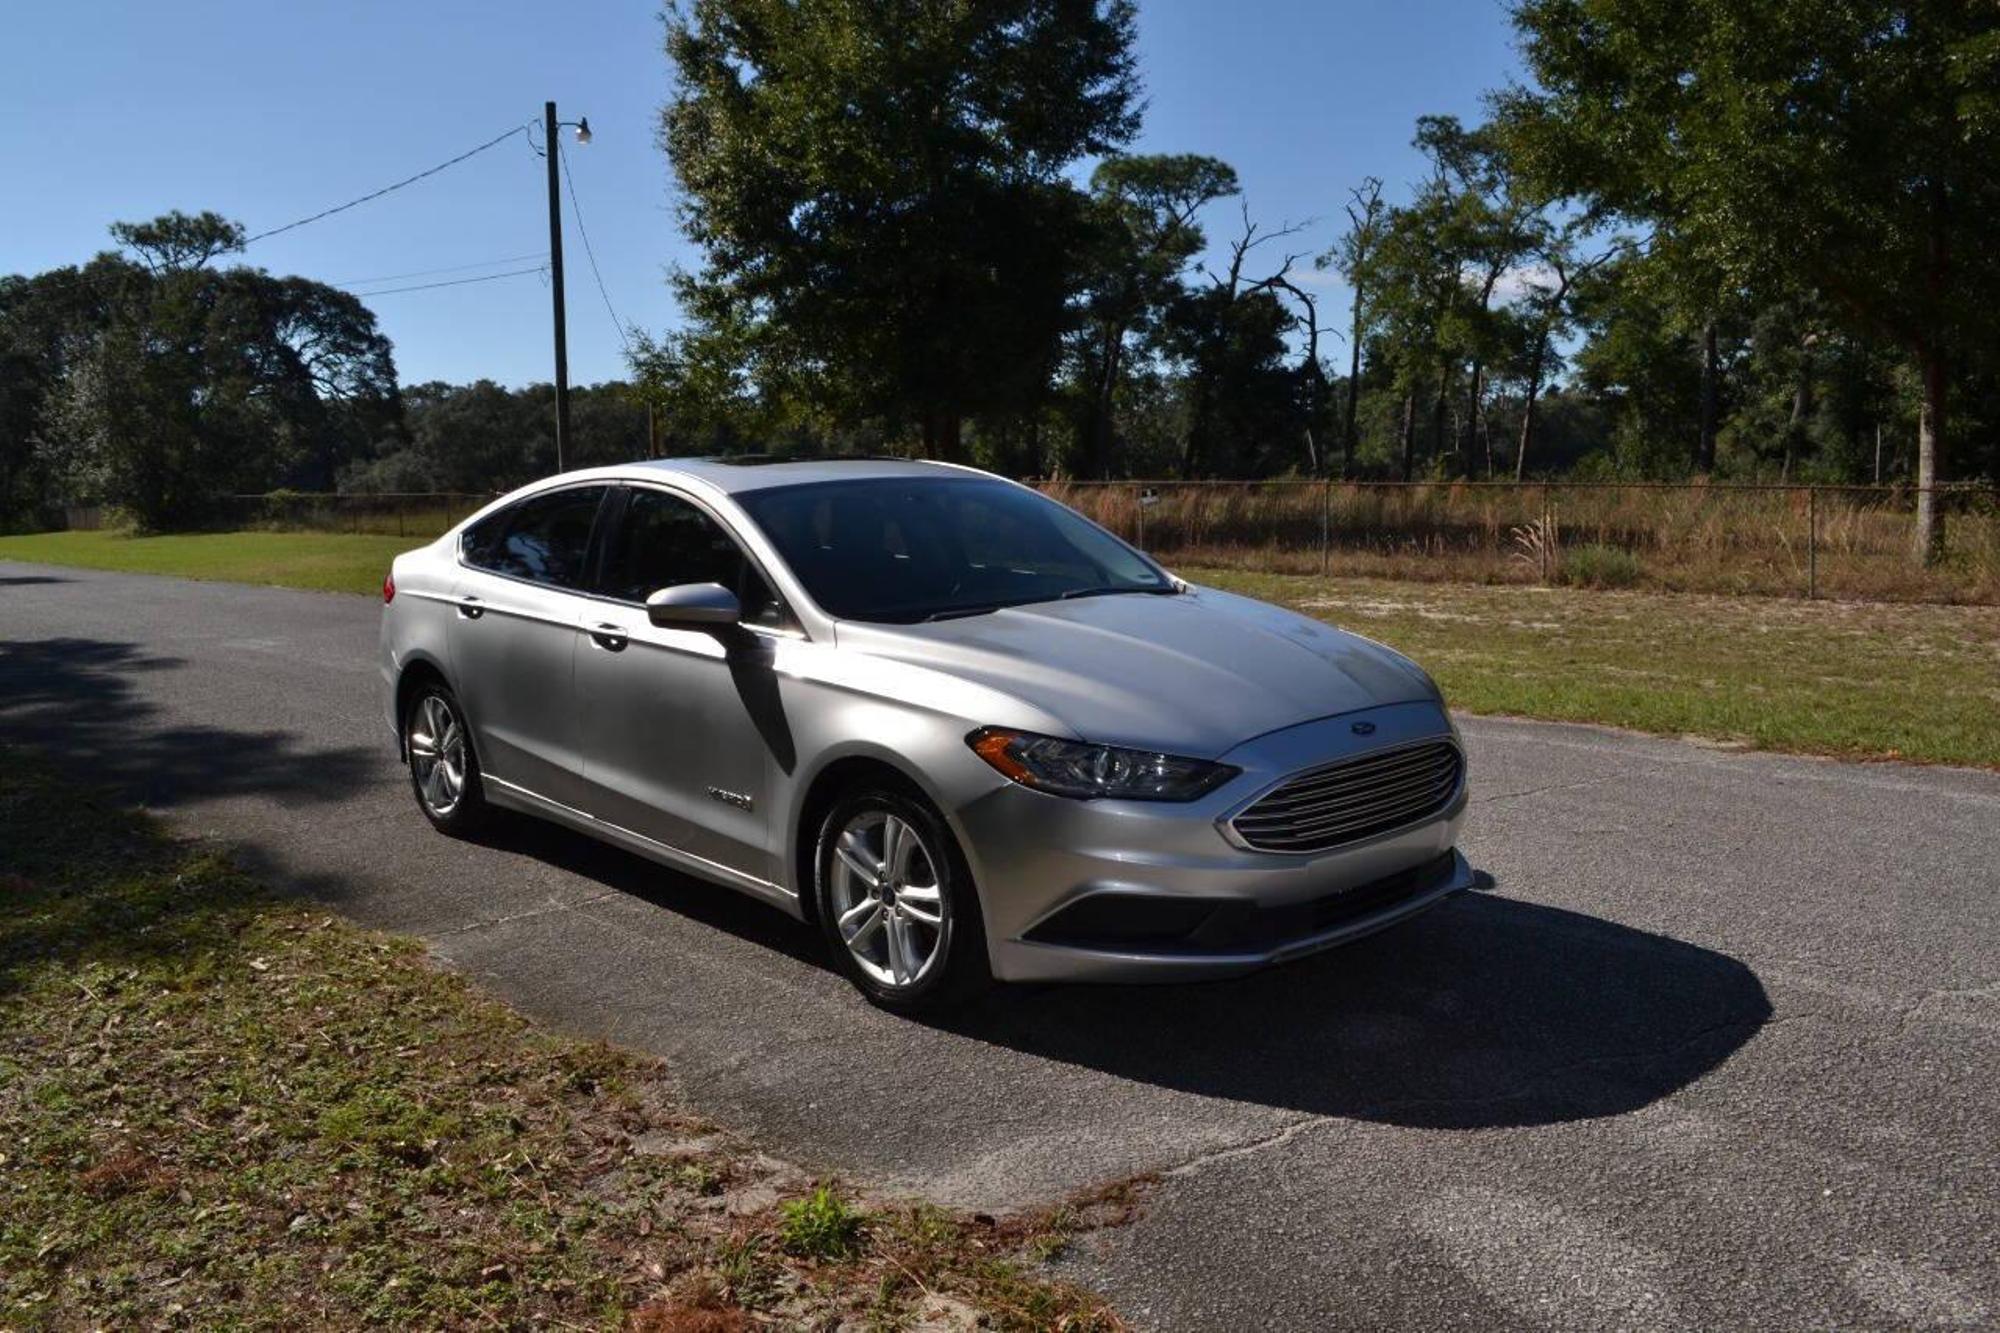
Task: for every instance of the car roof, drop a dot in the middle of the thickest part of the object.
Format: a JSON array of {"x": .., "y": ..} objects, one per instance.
[{"x": 755, "y": 472}]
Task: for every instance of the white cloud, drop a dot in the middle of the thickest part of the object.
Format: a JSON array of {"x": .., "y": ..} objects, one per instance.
[{"x": 1523, "y": 280}]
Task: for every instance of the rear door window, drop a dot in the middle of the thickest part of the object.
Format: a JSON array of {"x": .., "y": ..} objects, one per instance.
[{"x": 544, "y": 539}]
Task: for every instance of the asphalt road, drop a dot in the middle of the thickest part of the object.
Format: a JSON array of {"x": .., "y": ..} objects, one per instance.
[{"x": 1721, "y": 1049}]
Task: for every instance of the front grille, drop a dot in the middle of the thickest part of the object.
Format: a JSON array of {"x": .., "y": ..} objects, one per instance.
[{"x": 1354, "y": 799}]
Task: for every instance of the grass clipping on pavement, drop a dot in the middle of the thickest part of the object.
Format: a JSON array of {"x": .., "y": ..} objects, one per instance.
[{"x": 221, "y": 1107}]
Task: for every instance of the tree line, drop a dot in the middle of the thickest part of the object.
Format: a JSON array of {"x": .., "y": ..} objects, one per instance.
[
  {"x": 1699, "y": 238},
  {"x": 151, "y": 379},
  {"x": 158, "y": 380}
]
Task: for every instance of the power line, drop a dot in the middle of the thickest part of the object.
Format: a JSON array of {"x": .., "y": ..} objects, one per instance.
[
  {"x": 388, "y": 189},
  {"x": 455, "y": 282},
  {"x": 449, "y": 268},
  {"x": 617, "y": 324},
  {"x": 104, "y": 283}
]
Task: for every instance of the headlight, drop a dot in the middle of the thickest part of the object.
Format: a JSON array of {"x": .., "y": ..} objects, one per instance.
[{"x": 1073, "y": 768}]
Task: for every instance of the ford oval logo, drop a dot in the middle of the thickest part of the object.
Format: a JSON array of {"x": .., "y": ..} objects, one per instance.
[{"x": 1364, "y": 728}]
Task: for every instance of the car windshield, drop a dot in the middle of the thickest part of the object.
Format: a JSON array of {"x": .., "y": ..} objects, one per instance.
[{"x": 903, "y": 549}]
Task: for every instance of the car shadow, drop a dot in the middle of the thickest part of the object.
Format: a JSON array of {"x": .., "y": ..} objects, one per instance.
[
  {"x": 28, "y": 580},
  {"x": 1485, "y": 1012},
  {"x": 1488, "y": 1011},
  {"x": 660, "y": 886},
  {"x": 77, "y": 699}
]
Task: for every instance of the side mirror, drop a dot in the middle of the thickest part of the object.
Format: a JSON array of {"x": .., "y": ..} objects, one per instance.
[{"x": 704, "y": 606}]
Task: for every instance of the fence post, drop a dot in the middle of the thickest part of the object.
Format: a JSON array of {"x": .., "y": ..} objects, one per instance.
[
  {"x": 1325, "y": 527},
  {"x": 1548, "y": 538},
  {"x": 1812, "y": 543},
  {"x": 1139, "y": 508}
]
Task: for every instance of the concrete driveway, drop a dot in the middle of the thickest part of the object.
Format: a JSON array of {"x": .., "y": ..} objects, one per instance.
[{"x": 1722, "y": 1048}]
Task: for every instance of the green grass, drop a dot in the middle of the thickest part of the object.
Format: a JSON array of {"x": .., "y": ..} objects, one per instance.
[
  {"x": 325, "y": 561},
  {"x": 220, "y": 1108},
  {"x": 1858, "y": 680}
]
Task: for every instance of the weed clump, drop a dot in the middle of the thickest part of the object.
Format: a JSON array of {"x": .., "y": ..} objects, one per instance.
[{"x": 821, "y": 1225}]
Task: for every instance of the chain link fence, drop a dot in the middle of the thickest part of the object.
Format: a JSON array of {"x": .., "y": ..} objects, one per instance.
[
  {"x": 1806, "y": 541},
  {"x": 418, "y": 515}
]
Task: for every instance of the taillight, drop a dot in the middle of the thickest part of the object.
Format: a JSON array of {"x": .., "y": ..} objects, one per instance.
[{"x": 388, "y": 587}]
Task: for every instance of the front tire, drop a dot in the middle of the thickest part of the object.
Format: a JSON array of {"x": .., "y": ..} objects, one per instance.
[
  {"x": 444, "y": 771},
  {"x": 896, "y": 903}
]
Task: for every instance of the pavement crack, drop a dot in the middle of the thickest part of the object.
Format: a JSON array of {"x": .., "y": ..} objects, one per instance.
[
  {"x": 1498, "y": 797},
  {"x": 1278, "y": 1138},
  {"x": 548, "y": 909},
  {"x": 1907, "y": 1016}
]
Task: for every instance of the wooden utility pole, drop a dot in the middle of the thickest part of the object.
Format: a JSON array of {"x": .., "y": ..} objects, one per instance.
[{"x": 550, "y": 149}]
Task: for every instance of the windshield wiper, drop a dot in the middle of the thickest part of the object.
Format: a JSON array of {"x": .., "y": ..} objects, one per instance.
[
  {"x": 1113, "y": 591},
  {"x": 1109, "y": 590},
  {"x": 960, "y": 612}
]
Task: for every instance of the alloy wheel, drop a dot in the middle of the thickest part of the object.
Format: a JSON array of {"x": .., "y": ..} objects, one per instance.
[
  {"x": 888, "y": 898},
  {"x": 437, "y": 755}
]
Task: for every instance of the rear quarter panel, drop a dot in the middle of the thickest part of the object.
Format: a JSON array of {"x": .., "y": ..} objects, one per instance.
[{"x": 416, "y": 625}]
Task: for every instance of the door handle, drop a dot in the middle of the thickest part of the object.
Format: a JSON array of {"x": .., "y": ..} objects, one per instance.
[
  {"x": 611, "y": 638},
  {"x": 470, "y": 608}
]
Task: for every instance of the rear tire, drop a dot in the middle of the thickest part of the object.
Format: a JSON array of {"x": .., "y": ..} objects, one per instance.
[
  {"x": 444, "y": 771},
  {"x": 896, "y": 902}
]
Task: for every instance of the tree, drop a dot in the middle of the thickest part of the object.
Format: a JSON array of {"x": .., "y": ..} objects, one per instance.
[
  {"x": 1640, "y": 359},
  {"x": 1496, "y": 225},
  {"x": 880, "y": 199},
  {"x": 1546, "y": 316},
  {"x": 1366, "y": 219},
  {"x": 175, "y": 242},
  {"x": 48, "y": 324},
  {"x": 1844, "y": 149},
  {"x": 155, "y": 382},
  {"x": 1147, "y": 233},
  {"x": 1416, "y": 276},
  {"x": 1229, "y": 339}
]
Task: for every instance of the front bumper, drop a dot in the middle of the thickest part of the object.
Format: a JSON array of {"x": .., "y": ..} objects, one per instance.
[
  {"x": 1063, "y": 882},
  {"x": 1029, "y": 960}
]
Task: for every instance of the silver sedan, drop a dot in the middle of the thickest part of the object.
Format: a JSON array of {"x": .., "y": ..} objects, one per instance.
[{"x": 967, "y": 733}]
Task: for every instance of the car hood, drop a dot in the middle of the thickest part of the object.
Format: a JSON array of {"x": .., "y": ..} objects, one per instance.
[{"x": 1195, "y": 674}]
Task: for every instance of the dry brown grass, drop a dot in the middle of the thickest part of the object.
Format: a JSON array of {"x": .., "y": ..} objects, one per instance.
[
  {"x": 1850, "y": 543},
  {"x": 222, "y": 1108}
]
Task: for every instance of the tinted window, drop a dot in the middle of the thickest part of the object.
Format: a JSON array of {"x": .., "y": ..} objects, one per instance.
[
  {"x": 545, "y": 539},
  {"x": 665, "y": 540},
  {"x": 904, "y": 549}
]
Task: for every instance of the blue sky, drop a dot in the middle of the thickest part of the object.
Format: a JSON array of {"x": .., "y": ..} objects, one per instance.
[{"x": 269, "y": 112}]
